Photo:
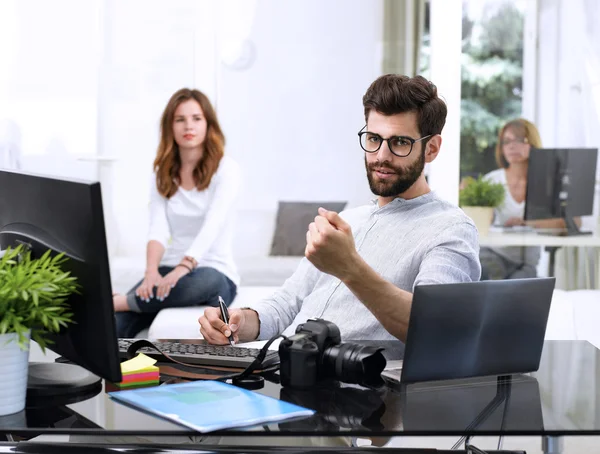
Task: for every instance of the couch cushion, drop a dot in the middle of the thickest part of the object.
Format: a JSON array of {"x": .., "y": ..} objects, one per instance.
[
  {"x": 586, "y": 313},
  {"x": 574, "y": 315},
  {"x": 266, "y": 271},
  {"x": 182, "y": 322},
  {"x": 177, "y": 323},
  {"x": 561, "y": 324},
  {"x": 292, "y": 223}
]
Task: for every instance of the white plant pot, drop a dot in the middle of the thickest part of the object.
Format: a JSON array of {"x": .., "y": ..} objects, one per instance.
[
  {"x": 14, "y": 363},
  {"x": 482, "y": 217}
]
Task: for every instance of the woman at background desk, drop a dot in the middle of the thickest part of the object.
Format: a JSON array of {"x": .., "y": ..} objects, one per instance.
[
  {"x": 189, "y": 257},
  {"x": 515, "y": 140}
]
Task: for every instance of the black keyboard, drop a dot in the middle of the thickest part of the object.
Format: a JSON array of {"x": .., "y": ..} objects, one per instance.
[{"x": 203, "y": 354}]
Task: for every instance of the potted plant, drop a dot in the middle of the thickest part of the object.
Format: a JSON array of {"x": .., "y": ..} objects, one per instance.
[
  {"x": 478, "y": 198},
  {"x": 34, "y": 297}
]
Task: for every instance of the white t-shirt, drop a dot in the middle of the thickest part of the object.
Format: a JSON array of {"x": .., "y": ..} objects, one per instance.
[
  {"x": 508, "y": 209},
  {"x": 198, "y": 223}
]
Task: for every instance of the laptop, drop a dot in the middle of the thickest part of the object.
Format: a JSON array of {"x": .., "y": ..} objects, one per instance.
[{"x": 476, "y": 329}]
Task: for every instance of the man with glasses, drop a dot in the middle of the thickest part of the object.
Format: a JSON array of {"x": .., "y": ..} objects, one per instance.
[{"x": 362, "y": 265}]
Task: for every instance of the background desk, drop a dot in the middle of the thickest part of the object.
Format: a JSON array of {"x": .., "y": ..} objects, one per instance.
[{"x": 549, "y": 242}]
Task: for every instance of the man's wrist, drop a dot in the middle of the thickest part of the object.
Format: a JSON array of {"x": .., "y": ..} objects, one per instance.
[
  {"x": 253, "y": 329},
  {"x": 354, "y": 270}
]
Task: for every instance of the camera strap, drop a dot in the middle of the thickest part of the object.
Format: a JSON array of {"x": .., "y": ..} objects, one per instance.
[
  {"x": 242, "y": 379},
  {"x": 246, "y": 379}
]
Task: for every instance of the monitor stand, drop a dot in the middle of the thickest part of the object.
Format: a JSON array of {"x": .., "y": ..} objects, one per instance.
[
  {"x": 571, "y": 230},
  {"x": 60, "y": 384}
]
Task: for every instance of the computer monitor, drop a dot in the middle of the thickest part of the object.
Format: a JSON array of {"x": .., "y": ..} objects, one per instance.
[
  {"x": 66, "y": 216},
  {"x": 561, "y": 184}
]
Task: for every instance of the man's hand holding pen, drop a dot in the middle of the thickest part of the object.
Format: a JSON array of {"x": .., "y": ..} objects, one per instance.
[{"x": 242, "y": 326}]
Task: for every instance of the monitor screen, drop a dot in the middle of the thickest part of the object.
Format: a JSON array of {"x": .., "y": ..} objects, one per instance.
[
  {"x": 66, "y": 216},
  {"x": 560, "y": 183}
]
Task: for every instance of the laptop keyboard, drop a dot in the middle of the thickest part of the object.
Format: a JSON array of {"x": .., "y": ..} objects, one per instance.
[{"x": 203, "y": 354}]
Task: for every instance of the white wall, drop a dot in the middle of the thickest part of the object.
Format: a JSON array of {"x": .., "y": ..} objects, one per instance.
[
  {"x": 151, "y": 49},
  {"x": 289, "y": 95},
  {"x": 290, "y": 115},
  {"x": 292, "y": 118},
  {"x": 76, "y": 93},
  {"x": 48, "y": 83}
]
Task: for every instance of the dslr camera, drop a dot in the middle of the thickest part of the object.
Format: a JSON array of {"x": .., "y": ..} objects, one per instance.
[{"x": 316, "y": 353}]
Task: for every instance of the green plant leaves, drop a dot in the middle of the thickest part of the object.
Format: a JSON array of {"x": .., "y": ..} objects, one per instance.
[
  {"x": 34, "y": 295},
  {"x": 481, "y": 193}
]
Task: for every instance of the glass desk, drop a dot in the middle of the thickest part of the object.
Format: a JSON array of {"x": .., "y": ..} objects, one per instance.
[{"x": 561, "y": 399}]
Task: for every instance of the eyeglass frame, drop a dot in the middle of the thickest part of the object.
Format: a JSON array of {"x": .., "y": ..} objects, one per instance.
[
  {"x": 410, "y": 139},
  {"x": 522, "y": 141}
]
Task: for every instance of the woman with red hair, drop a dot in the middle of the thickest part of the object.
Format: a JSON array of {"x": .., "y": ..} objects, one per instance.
[{"x": 189, "y": 258}]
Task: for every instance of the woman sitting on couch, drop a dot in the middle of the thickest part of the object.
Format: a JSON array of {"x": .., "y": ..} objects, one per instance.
[{"x": 189, "y": 253}]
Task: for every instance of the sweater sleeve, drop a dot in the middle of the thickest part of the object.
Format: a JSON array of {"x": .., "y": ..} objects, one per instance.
[
  {"x": 453, "y": 257},
  {"x": 278, "y": 311},
  {"x": 159, "y": 226},
  {"x": 227, "y": 182}
]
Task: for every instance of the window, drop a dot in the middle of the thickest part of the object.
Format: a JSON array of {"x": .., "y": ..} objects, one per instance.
[{"x": 492, "y": 78}]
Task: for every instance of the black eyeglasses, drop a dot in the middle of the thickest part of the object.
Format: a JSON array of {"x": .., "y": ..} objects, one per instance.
[{"x": 400, "y": 146}]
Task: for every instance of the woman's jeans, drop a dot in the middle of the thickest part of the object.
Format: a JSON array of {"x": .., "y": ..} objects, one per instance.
[{"x": 201, "y": 287}]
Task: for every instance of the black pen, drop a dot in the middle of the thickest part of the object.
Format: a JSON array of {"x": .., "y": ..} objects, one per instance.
[{"x": 225, "y": 317}]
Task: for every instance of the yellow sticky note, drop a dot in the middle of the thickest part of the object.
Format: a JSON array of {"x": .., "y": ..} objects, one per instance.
[{"x": 138, "y": 363}]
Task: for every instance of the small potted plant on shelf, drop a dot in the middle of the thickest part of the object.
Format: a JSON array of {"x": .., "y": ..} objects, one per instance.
[
  {"x": 34, "y": 297},
  {"x": 478, "y": 198}
]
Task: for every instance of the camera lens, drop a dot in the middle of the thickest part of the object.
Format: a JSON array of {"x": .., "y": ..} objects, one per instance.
[{"x": 354, "y": 363}]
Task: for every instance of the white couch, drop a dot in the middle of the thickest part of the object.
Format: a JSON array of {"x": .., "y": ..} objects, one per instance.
[{"x": 574, "y": 315}]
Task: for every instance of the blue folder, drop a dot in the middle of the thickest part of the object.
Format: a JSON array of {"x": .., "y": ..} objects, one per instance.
[{"x": 209, "y": 405}]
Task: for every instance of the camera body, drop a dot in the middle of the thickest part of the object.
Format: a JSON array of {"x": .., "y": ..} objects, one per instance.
[{"x": 315, "y": 353}]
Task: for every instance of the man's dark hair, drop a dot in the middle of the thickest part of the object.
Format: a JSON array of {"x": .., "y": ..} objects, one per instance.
[{"x": 393, "y": 94}]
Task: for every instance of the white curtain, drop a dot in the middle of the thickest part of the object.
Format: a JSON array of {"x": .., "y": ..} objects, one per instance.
[{"x": 403, "y": 26}]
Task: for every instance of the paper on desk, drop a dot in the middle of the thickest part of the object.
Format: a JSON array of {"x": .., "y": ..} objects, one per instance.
[
  {"x": 260, "y": 344},
  {"x": 512, "y": 229},
  {"x": 140, "y": 362},
  {"x": 394, "y": 365}
]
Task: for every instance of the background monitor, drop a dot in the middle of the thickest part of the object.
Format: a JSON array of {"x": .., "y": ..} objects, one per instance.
[
  {"x": 561, "y": 184},
  {"x": 66, "y": 216}
]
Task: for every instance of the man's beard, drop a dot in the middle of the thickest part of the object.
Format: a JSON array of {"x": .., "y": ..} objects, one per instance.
[{"x": 405, "y": 178}]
